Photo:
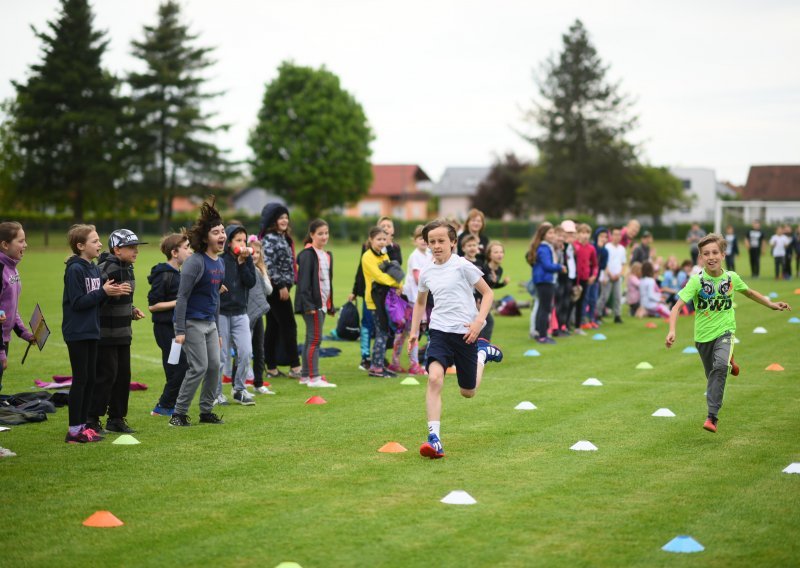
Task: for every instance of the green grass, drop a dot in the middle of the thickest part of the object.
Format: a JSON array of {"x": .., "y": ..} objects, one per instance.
[{"x": 287, "y": 481}]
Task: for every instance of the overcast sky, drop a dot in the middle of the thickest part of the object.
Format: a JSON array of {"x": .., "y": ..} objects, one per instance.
[{"x": 445, "y": 83}]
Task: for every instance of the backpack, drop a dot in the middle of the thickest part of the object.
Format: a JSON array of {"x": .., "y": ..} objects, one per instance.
[
  {"x": 508, "y": 307},
  {"x": 349, "y": 325},
  {"x": 398, "y": 310}
]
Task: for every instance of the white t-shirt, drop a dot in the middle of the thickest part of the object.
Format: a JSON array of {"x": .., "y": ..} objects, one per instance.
[
  {"x": 616, "y": 258},
  {"x": 324, "y": 276},
  {"x": 417, "y": 261},
  {"x": 451, "y": 284},
  {"x": 569, "y": 252},
  {"x": 779, "y": 244}
]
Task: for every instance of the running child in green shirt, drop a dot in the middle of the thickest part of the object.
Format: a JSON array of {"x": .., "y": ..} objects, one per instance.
[{"x": 712, "y": 292}]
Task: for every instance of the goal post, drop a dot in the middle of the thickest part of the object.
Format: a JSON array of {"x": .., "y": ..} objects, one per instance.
[{"x": 748, "y": 207}]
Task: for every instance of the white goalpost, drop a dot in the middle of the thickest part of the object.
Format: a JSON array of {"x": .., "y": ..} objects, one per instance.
[{"x": 752, "y": 210}]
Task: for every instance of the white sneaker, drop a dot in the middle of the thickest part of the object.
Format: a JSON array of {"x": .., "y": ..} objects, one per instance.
[
  {"x": 264, "y": 390},
  {"x": 221, "y": 400},
  {"x": 320, "y": 383},
  {"x": 303, "y": 380}
]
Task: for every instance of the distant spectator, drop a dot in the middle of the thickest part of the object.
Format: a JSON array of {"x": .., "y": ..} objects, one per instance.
[
  {"x": 733, "y": 248},
  {"x": 642, "y": 252},
  {"x": 693, "y": 237},
  {"x": 476, "y": 223},
  {"x": 755, "y": 246},
  {"x": 629, "y": 232}
]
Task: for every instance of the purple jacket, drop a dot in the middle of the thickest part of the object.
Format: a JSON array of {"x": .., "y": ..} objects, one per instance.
[{"x": 10, "y": 288}]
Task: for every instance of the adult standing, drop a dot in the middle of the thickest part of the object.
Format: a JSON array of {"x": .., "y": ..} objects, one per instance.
[
  {"x": 280, "y": 337},
  {"x": 693, "y": 237},
  {"x": 755, "y": 245},
  {"x": 476, "y": 223}
]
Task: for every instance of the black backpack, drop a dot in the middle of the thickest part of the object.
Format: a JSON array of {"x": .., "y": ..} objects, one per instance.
[{"x": 349, "y": 325}]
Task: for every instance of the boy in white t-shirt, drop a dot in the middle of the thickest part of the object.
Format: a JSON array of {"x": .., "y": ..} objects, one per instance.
[
  {"x": 616, "y": 263},
  {"x": 779, "y": 243},
  {"x": 454, "y": 325}
]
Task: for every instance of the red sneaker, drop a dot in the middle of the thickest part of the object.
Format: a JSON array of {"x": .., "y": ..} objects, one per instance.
[
  {"x": 226, "y": 380},
  {"x": 396, "y": 369},
  {"x": 416, "y": 369},
  {"x": 734, "y": 368},
  {"x": 709, "y": 425},
  {"x": 432, "y": 448}
]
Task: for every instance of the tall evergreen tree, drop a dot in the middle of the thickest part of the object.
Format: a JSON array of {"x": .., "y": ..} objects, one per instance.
[
  {"x": 585, "y": 162},
  {"x": 171, "y": 150},
  {"x": 311, "y": 143},
  {"x": 498, "y": 194},
  {"x": 67, "y": 118}
]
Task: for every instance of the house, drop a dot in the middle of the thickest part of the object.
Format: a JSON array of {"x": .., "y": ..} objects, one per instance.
[
  {"x": 457, "y": 188},
  {"x": 778, "y": 188},
  {"x": 701, "y": 185},
  {"x": 251, "y": 201},
  {"x": 397, "y": 191}
]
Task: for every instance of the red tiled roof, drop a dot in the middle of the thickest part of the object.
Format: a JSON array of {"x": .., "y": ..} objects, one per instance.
[
  {"x": 773, "y": 183},
  {"x": 395, "y": 180}
]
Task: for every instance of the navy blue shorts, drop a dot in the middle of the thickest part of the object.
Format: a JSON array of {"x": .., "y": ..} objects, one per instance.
[{"x": 450, "y": 349}]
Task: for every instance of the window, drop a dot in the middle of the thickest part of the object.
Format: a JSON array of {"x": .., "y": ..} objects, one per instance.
[{"x": 687, "y": 184}]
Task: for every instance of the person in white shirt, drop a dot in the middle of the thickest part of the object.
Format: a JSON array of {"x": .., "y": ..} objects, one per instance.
[
  {"x": 455, "y": 324},
  {"x": 616, "y": 264},
  {"x": 779, "y": 242}
]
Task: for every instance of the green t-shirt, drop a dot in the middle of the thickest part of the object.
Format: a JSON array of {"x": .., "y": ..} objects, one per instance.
[{"x": 713, "y": 303}]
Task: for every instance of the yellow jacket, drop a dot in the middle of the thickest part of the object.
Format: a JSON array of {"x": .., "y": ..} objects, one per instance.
[{"x": 370, "y": 263}]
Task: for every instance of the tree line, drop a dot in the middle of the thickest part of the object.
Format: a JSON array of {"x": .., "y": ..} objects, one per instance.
[{"x": 78, "y": 138}]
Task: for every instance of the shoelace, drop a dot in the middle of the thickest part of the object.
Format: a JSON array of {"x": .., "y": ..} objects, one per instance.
[{"x": 90, "y": 434}]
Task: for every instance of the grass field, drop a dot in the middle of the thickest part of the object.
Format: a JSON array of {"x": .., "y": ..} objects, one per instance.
[{"x": 285, "y": 481}]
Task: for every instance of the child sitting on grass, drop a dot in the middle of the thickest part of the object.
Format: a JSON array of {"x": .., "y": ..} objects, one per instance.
[{"x": 712, "y": 292}]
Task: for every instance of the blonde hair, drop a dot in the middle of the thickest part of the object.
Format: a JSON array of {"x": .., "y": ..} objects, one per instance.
[
  {"x": 490, "y": 246},
  {"x": 260, "y": 264},
  {"x": 713, "y": 238},
  {"x": 476, "y": 213}
]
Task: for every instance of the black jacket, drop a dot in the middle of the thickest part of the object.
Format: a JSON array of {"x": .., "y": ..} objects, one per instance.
[
  {"x": 164, "y": 282},
  {"x": 308, "y": 296},
  {"x": 359, "y": 283},
  {"x": 116, "y": 313},
  {"x": 83, "y": 294},
  {"x": 239, "y": 278}
]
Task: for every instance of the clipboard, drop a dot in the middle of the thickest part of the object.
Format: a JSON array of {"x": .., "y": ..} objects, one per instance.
[{"x": 39, "y": 329}]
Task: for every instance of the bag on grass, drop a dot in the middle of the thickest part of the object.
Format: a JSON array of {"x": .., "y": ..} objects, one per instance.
[{"x": 349, "y": 326}]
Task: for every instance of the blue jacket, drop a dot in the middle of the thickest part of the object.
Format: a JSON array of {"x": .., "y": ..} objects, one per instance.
[
  {"x": 83, "y": 293},
  {"x": 602, "y": 253},
  {"x": 545, "y": 268}
]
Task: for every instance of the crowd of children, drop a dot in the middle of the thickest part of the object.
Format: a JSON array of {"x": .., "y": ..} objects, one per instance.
[{"x": 210, "y": 297}]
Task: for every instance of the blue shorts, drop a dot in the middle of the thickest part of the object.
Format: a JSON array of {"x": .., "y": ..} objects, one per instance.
[{"x": 451, "y": 349}]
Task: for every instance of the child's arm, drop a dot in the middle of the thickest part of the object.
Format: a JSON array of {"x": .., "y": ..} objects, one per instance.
[
  {"x": 764, "y": 301},
  {"x": 673, "y": 318},
  {"x": 419, "y": 309},
  {"x": 476, "y": 325}
]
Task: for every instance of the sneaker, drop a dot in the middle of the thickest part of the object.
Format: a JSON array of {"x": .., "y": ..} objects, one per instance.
[
  {"x": 221, "y": 400},
  {"x": 303, "y": 380},
  {"x": 161, "y": 411},
  {"x": 617, "y": 319},
  {"x": 264, "y": 389},
  {"x": 179, "y": 420},
  {"x": 710, "y": 425},
  {"x": 210, "y": 418},
  {"x": 493, "y": 352},
  {"x": 364, "y": 365},
  {"x": 95, "y": 425},
  {"x": 244, "y": 398},
  {"x": 92, "y": 435},
  {"x": 546, "y": 341},
  {"x": 294, "y": 374},
  {"x": 276, "y": 374},
  {"x": 6, "y": 453},
  {"x": 432, "y": 448},
  {"x": 320, "y": 383},
  {"x": 119, "y": 425},
  {"x": 226, "y": 380},
  {"x": 378, "y": 372},
  {"x": 734, "y": 368},
  {"x": 396, "y": 369},
  {"x": 86, "y": 435},
  {"x": 579, "y": 331},
  {"x": 416, "y": 369}
]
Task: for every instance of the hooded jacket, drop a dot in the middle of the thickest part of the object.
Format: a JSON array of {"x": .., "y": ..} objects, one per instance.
[
  {"x": 309, "y": 296},
  {"x": 116, "y": 313},
  {"x": 546, "y": 267},
  {"x": 10, "y": 289},
  {"x": 602, "y": 253},
  {"x": 239, "y": 277},
  {"x": 83, "y": 294},
  {"x": 164, "y": 282}
]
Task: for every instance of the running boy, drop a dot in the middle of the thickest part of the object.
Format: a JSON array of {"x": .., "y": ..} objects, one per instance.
[
  {"x": 712, "y": 292},
  {"x": 454, "y": 326}
]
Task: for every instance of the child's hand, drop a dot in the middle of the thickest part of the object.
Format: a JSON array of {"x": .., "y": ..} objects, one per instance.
[
  {"x": 670, "y": 339},
  {"x": 180, "y": 339},
  {"x": 223, "y": 289},
  {"x": 781, "y": 306},
  {"x": 474, "y": 331},
  {"x": 137, "y": 314},
  {"x": 412, "y": 341}
]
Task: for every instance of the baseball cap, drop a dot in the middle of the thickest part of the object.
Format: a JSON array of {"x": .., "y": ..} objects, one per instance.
[
  {"x": 123, "y": 238},
  {"x": 568, "y": 226}
]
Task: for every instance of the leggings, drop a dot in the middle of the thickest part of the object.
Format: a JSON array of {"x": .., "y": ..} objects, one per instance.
[
  {"x": 83, "y": 359},
  {"x": 545, "y": 292}
]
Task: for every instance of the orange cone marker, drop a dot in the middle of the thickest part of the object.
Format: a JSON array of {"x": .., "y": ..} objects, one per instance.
[
  {"x": 651, "y": 325},
  {"x": 392, "y": 448},
  {"x": 316, "y": 400},
  {"x": 451, "y": 370},
  {"x": 774, "y": 367},
  {"x": 102, "y": 519}
]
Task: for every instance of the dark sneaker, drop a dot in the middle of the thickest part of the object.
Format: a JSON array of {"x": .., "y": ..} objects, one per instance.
[
  {"x": 432, "y": 448},
  {"x": 83, "y": 437},
  {"x": 119, "y": 425},
  {"x": 211, "y": 418},
  {"x": 161, "y": 411},
  {"x": 96, "y": 425},
  {"x": 378, "y": 372},
  {"x": 617, "y": 319},
  {"x": 734, "y": 368},
  {"x": 710, "y": 425},
  {"x": 244, "y": 398},
  {"x": 493, "y": 352},
  {"x": 179, "y": 420},
  {"x": 364, "y": 365},
  {"x": 92, "y": 435}
]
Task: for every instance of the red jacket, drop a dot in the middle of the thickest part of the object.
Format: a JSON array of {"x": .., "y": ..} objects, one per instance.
[{"x": 586, "y": 260}]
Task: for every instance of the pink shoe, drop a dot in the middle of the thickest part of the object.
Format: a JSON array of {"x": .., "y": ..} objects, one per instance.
[
  {"x": 396, "y": 369},
  {"x": 416, "y": 369}
]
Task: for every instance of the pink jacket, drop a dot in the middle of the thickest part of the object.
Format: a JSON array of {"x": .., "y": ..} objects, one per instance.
[{"x": 10, "y": 288}]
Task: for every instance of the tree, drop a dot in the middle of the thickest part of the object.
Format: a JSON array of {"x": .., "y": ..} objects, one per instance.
[
  {"x": 585, "y": 163},
  {"x": 311, "y": 143},
  {"x": 498, "y": 194},
  {"x": 67, "y": 118},
  {"x": 10, "y": 157},
  {"x": 168, "y": 134}
]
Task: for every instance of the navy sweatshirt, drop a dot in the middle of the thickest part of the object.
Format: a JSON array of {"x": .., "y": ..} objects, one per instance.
[
  {"x": 239, "y": 278},
  {"x": 164, "y": 282},
  {"x": 83, "y": 294}
]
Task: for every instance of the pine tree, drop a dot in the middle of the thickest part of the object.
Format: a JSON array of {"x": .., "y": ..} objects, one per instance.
[
  {"x": 498, "y": 194},
  {"x": 67, "y": 118},
  {"x": 311, "y": 143},
  {"x": 169, "y": 135}
]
